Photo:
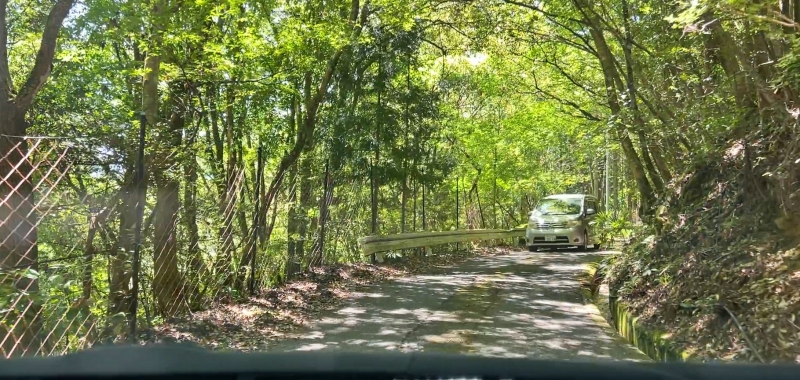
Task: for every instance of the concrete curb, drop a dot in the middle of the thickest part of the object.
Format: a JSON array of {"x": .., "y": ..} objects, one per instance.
[{"x": 655, "y": 344}]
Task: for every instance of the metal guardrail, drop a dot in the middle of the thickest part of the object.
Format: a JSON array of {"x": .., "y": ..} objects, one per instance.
[{"x": 383, "y": 243}]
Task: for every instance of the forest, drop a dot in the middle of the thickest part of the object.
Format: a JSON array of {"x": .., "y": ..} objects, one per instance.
[{"x": 163, "y": 157}]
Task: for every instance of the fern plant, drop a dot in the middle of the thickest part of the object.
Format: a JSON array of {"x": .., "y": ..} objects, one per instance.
[{"x": 608, "y": 227}]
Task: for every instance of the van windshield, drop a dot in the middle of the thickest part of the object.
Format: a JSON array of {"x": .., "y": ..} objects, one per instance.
[{"x": 564, "y": 206}]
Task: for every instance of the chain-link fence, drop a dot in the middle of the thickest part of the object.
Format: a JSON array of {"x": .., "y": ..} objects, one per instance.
[
  {"x": 102, "y": 243},
  {"x": 88, "y": 251},
  {"x": 46, "y": 277},
  {"x": 94, "y": 253}
]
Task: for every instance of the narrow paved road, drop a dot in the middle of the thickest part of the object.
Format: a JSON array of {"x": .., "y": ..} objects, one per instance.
[{"x": 517, "y": 305}]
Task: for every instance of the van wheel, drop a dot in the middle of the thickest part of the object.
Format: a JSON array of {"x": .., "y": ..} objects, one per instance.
[
  {"x": 582, "y": 247},
  {"x": 533, "y": 248}
]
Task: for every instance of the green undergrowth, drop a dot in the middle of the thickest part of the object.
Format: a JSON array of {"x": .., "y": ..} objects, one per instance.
[
  {"x": 721, "y": 274},
  {"x": 657, "y": 345}
]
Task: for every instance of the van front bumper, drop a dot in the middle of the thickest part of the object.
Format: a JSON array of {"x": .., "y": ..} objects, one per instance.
[{"x": 557, "y": 237}]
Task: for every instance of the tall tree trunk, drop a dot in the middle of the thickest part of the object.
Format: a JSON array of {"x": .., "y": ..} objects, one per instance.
[
  {"x": 480, "y": 208},
  {"x": 228, "y": 207},
  {"x": 318, "y": 252},
  {"x": 216, "y": 146},
  {"x": 633, "y": 102},
  {"x": 374, "y": 228},
  {"x": 168, "y": 284},
  {"x": 404, "y": 189},
  {"x": 616, "y": 181},
  {"x": 414, "y": 196},
  {"x": 241, "y": 215},
  {"x": 306, "y": 191},
  {"x": 423, "y": 216},
  {"x": 593, "y": 179},
  {"x": 494, "y": 187},
  {"x": 661, "y": 163},
  {"x": 197, "y": 268},
  {"x": 240, "y": 275},
  {"x": 119, "y": 291},
  {"x": 375, "y": 185},
  {"x": 249, "y": 258},
  {"x": 19, "y": 250},
  {"x": 89, "y": 321},
  {"x": 611, "y": 78},
  {"x": 358, "y": 16},
  {"x": 292, "y": 266},
  {"x": 720, "y": 41},
  {"x": 644, "y": 153},
  {"x": 306, "y": 196},
  {"x": 458, "y": 204},
  {"x": 267, "y": 234}
]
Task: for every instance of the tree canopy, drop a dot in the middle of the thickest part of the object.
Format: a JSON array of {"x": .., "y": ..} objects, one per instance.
[{"x": 159, "y": 157}]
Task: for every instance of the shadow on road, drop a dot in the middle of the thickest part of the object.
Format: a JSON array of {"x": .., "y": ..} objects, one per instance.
[{"x": 517, "y": 305}]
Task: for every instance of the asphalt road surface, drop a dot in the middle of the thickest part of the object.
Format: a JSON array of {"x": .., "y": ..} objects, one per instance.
[{"x": 517, "y": 305}]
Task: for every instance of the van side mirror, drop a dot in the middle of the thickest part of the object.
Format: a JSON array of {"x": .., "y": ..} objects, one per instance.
[{"x": 591, "y": 211}]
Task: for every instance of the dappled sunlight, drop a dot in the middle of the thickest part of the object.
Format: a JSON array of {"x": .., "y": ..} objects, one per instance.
[
  {"x": 560, "y": 305},
  {"x": 494, "y": 351},
  {"x": 457, "y": 336},
  {"x": 209, "y": 171},
  {"x": 517, "y": 305},
  {"x": 442, "y": 317},
  {"x": 313, "y": 335},
  {"x": 387, "y": 331},
  {"x": 402, "y": 311},
  {"x": 555, "y": 325},
  {"x": 367, "y": 295},
  {"x": 312, "y": 347},
  {"x": 565, "y": 268},
  {"x": 386, "y": 345},
  {"x": 351, "y": 311}
]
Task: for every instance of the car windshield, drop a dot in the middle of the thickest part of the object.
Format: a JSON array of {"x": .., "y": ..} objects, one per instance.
[
  {"x": 375, "y": 175},
  {"x": 565, "y": 206}
]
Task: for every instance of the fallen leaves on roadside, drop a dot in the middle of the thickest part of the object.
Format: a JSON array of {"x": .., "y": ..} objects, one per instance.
[
  {"x": 254, "y": 324},
  {"x": 722, "y": 280}
]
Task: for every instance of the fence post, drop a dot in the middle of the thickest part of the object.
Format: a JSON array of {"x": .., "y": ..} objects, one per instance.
[
  {"x": 251, "y": 283},
  {"x": 424, "y": 223},
  {"x": 458, "y": 181},
  {"x": 141, "y": 191}
]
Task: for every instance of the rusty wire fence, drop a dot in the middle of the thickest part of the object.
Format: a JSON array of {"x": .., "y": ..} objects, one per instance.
[
  {"x": 81, "y": 262},
  {"x": 90, "y": 254},
  {"x": 37, "y": 304},
  {"x": 100, "y": 243}
]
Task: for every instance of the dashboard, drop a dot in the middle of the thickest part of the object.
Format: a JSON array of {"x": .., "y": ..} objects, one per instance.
[{"x": 178, "y": 362}]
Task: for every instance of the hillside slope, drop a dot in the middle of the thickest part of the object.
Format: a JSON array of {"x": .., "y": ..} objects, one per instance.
[{"x": 721, "y": 272}]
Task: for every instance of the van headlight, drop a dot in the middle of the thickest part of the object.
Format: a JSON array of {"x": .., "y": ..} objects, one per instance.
[{"x": 573, "y": 223}]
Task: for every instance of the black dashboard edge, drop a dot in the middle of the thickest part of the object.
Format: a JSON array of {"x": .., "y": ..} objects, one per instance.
[{"x": 165, "y": 360}]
